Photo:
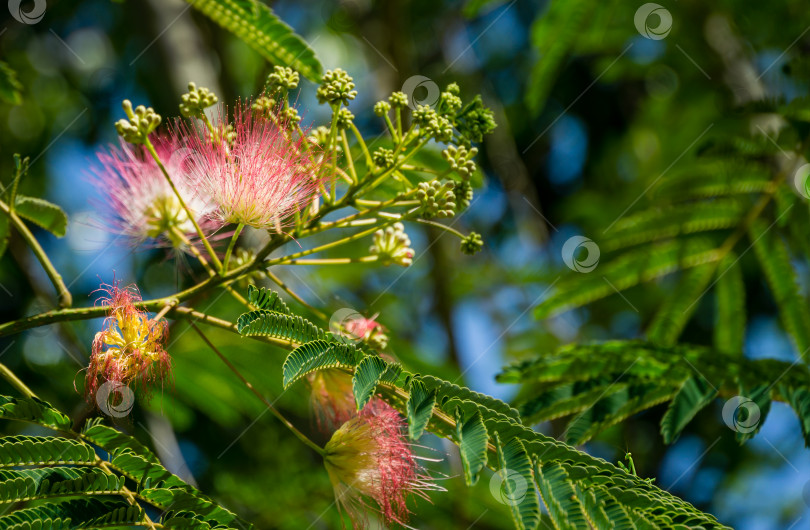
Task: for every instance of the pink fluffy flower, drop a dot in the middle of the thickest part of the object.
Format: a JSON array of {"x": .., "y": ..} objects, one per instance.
[
  {"x": 368, "y": 458},
  {"x": 138, "y": 201},
  {"x": 129, "y": 350},
  {"x": 255, "y": 175}
]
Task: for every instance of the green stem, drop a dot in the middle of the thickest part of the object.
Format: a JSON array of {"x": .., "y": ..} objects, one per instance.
[
  {"x": 342, "y": 241},
  {"x": 189, "y": 213},
  {"x": 65, "y": 299},
  {"x": 232, "y": 244},
  {"x": 15, "y": 381},
  {"x": 301, "y": 436},
  {"x": 330, "y": 261},
  {"x": 443, "y": 227},
  {"x": 363, "y": 146},
  {"x": 292, "y": 293}
]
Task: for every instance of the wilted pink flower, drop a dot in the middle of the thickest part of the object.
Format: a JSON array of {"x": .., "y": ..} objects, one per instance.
[
  {"x": 368, "y": 458},
  {"x": 368, "y": 330},
  {"x": 138, "y": 201},
  {"x": 256, "y": 175},
  {"x": 332, "y": 399},
  {"x": 130, "y": 348}
]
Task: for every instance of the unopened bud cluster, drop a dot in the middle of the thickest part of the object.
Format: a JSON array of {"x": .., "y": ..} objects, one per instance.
[
  {"x": 196, "y": 100},
  {"x": 472, "y": 244},
  {"x": 393, "y": 246},
  {"x": 139, "y": 124},
  {"x": 437, "y": 198},
  {"x": 461, "y": 160},
  {"x": 337, "y": 87}
]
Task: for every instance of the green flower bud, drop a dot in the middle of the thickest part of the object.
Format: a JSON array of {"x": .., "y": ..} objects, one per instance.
[
  {"x": 337, "y": 86},
  {"x": 140, "y": 123},
  {"x": 393, "y": 246},
  {"x": 463, "y": 192},
  {"x": 383, "y": 157},
  {"x": 264, "y": 106},
  {"x": 282, "y": 78},
  {"x": 438, "y": 199},
  {"x": 344, "y": 119},
  {"x": 381, "y": 108},
  {"x": 460, "y": 160},
  {"x": 196, "y": 100},
  {"x": 474, "y": 121},
  {"x": 472, "y": 244},
  {"x": 399, "y": 99}
]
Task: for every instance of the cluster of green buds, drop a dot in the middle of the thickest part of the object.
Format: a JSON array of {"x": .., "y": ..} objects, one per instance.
[
  {"x": 435, "y": 126},
  {"x": 139, "y": 124},
  {"x": 474, "y": 121},
  {"x": 319, "y": 136},
  {"x": 449, "y": 100},
  {"x": 437, "y": 198},
  {"x": 461, "y": 160},
  {"x": 399, "y": 100},
  {"x": 337, "y": 87},
  {"x": 196, "y": 100},
  {"x": 472, "y": 244},
  {"x": 383, "y": 158},
  {"x": 344, "y": 118},
  {"x": 463, "y": 192},
  {"x": 264, "y": 106},
  {"x": 393, "y": 246},
  {"x": 282, "y": 78}
]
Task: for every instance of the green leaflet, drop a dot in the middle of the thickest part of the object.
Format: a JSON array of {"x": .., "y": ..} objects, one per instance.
[
  {"x": 257, "y": 25},
  {"x": 29, "y": 484},
  {"x": 559, "y": 497},
  {"x": 663, "y": 223},
  {"x": 41, "y": 450},
  {"x": 614, "y": 408},
  {"x": 420, "y": 408},
  {"x": 799, "y": 400},
  {"x": 369, "y": 372},
  {"x": 679, "y": 306},
  {"x": 693, "y": 396},
  {"x": 10, "y": 87},
  {"x": 625, "y": 271},
  {"x": 729, "y": 325},
  {"x": 472, "y": 444},
  {"x": 51, "y": 480},
  {"x": 177, "y": 499},
  {"x": 554, "y": 34},
  {"x": 316, "y": 355},
  {"x": 114, "y": 441},
  {"x": 273, "y": 324},
  {"x": 78, "y": 513},
  {"x": 602, "y": 384},
  {"x": 33, "y": 410},
  {"x": 760, "y": 395},
  {"x": 267, "y": 299},
  {"x": 774, "y": 257},
  {"x": 42, "y": 213},
  {"x": 516, "y": 483}
]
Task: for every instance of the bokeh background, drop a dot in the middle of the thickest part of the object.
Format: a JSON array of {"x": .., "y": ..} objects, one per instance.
[{"x": 589, "y": 112}]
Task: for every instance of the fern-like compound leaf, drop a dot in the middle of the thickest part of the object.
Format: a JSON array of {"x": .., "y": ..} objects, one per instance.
[{"x": 260, "y": 28}]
